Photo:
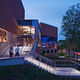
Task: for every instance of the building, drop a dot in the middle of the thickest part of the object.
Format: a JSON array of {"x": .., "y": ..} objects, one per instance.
[
  {"x": 28, "y": 32},
  {"x": 48, "y": 38},
  {"x": 14, "y": 29},
  {"x": 10, "y": 12}
]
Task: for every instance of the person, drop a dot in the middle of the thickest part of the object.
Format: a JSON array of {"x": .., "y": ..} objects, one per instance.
[
  {"x": 17, "y": 50},
  {"x": 11, "y": 51}
]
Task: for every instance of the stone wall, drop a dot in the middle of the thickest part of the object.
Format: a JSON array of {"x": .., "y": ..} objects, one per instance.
[{"x": 12, "y": 41}]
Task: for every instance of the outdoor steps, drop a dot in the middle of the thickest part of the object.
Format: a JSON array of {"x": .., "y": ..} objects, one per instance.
[
  {"x": 39, "y": 64},
  {"x": 61, "y": 71}
]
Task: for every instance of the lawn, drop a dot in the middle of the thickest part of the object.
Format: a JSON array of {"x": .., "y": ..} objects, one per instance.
[{"x": 27, "y": 72}]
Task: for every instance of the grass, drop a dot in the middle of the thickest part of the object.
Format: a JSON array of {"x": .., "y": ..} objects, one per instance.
[{"x": 27, "y": 72}]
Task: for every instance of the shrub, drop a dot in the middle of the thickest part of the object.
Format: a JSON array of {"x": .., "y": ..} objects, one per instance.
[{"x": 61, "y": 54}]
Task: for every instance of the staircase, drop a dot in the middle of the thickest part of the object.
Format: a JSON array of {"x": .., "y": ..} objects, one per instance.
[
  {"x": 49, "y": 65},
  {"x": 44, "y": 63},
  {"x": 51, "y": 68}
]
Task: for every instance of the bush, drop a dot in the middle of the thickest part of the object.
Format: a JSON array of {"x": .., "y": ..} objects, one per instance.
[
  {"x": 61, "y": 54},
  {"x": 53, "y": 57}
]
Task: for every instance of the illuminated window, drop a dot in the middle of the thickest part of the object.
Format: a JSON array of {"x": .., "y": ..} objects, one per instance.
[
  {"x": 29, "y": 29},
  {"x": 27, "y": 33},
  {"x": 3, "y": 35}
]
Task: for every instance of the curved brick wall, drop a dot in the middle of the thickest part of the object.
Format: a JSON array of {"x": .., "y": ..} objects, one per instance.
[
  {"x": 10, "y": 12},
  {"x": 16, "y": 8}
]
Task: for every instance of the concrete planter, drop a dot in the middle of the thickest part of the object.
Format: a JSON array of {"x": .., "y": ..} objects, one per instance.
[
  {"x": 61, "y": 56},
  {"x": 11, "y": 61}
]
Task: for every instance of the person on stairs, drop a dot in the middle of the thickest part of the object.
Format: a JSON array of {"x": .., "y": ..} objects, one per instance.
[{"x": 11, "y": 51}]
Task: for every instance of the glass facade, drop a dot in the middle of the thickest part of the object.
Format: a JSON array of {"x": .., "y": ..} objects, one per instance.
[
  {"x": 29, "y": 31},
  {"x": 26, "y": 32},
  {"x": 45, "y": 39},
  {"x": 48, "y": 41}
]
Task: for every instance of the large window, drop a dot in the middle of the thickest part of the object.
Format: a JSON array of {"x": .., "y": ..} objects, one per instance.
[
  {"x": 45, "y": 39},
  {"x": 27, "y": 34},
  {"x": 29, "y": 30},
  {"x": 3, "y": 35}
]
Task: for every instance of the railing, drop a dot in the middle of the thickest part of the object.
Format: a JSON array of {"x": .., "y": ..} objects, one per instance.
[
  {"x": 53, "y": 63},
  {"x": 57, "y": 63},
  {"x": 32, "y": 52},
  {"x": 45, "y": 60},
  {"x": 67, "y": 63},
  {"x": 23, "y": 53},
  {"x": 76, "y": 64},
  {"x": 63, "y": 63}
]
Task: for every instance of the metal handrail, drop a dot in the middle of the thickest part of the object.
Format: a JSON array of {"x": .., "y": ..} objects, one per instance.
[
  {"x": 33, "y": 48},
  {"x": 54, "y": 63},
  {"x": 45, "y": 60}
]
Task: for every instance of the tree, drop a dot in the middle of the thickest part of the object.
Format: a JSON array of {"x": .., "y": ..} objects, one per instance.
[
  {"x": 62, "y": 44},
  {"x": 71, "y": 26}
]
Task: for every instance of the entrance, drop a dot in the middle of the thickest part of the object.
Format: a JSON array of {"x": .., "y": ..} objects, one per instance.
[{"x": 26, "y": 35}]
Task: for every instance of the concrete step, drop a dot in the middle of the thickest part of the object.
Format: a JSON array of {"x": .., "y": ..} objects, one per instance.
[{"x": 61, "y": 71}]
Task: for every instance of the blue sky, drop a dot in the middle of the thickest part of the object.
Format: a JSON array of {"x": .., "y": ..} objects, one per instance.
[{"x": 48, "y": 11}]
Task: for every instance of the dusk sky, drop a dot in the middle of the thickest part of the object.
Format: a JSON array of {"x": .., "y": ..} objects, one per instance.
[{"x": 48, "y": 11}]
